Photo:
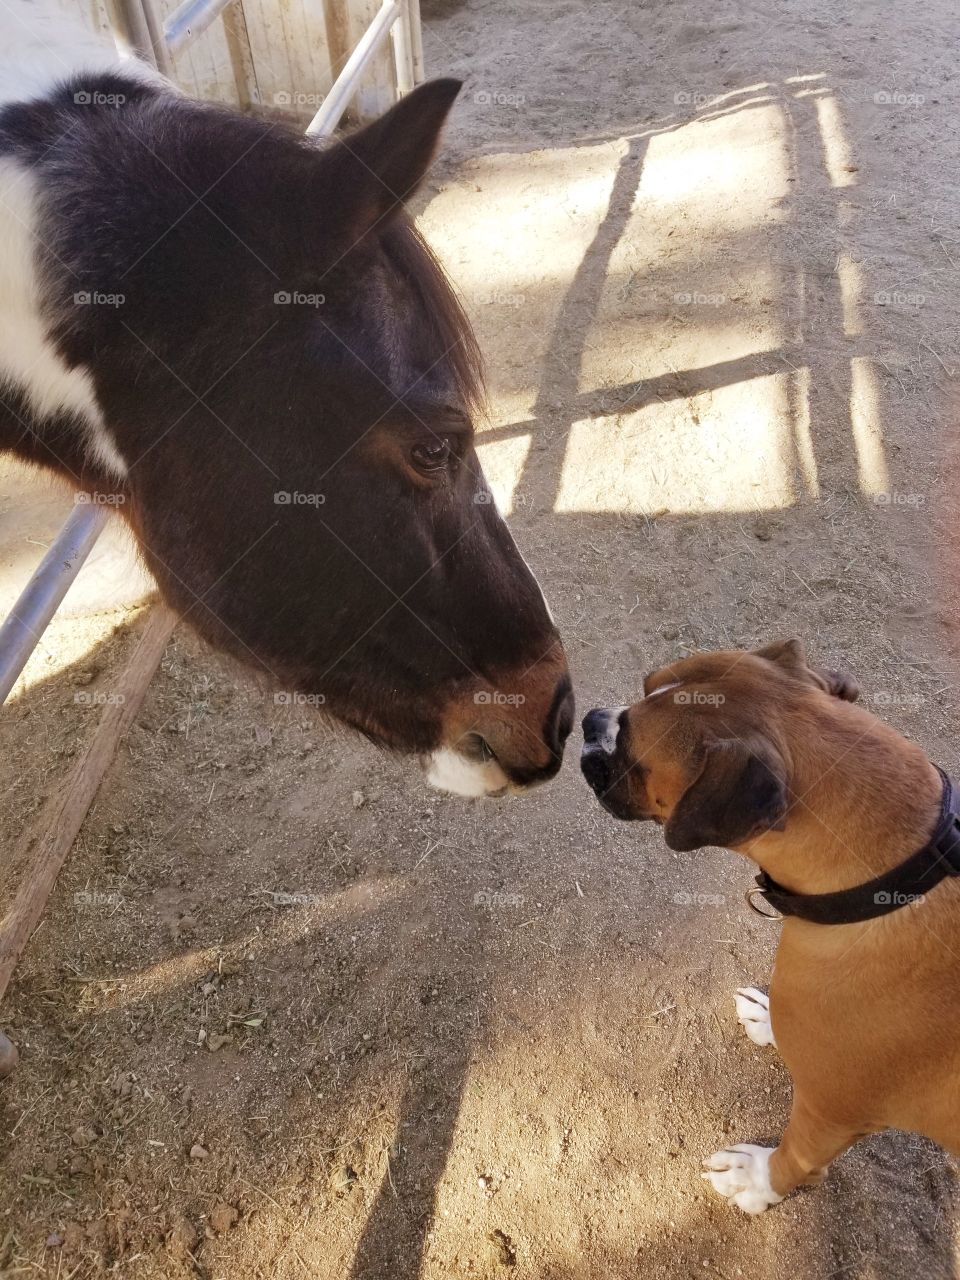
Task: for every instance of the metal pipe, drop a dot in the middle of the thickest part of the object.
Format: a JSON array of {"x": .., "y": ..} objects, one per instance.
[
  {"x": 158, "y": 40},
  {"x": 416, "y": 40},
  {"x": 403, "y": 51},
  {"x": 41, "y": 597},
  {"x": 345, "y": 85},
  {"x": 136, "y": 28},
  {"x": 190, "y": 20}
]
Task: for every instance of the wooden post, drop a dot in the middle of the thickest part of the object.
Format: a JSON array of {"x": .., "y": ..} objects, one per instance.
[
  {"x": 241, "y": 56},
  {"x": 65, "y": 811}
]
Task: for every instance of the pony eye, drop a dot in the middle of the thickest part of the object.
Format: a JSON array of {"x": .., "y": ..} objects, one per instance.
[{"x": 431, "y": 457}]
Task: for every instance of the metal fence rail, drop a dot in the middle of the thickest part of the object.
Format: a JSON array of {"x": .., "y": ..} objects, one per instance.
[{"x": 136, "y": 26}]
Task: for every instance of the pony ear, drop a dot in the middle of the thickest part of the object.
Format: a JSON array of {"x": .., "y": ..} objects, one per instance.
[
  {"x": 739, "y": 792},
  {"x": 374, "y": 170}
]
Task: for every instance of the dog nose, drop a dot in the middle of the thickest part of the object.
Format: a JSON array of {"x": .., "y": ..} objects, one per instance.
[
  {"x": 595, "y": 766},
  {"x": 600, "y": 729}
]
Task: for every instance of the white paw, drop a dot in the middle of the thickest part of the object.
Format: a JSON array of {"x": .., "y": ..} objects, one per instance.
[
  {"x": 741, "y": 1175},
  {"x": 753, "y": 1011}
]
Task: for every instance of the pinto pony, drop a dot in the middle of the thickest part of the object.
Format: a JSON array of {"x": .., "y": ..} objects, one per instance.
[{"x": 240, "y": 336}]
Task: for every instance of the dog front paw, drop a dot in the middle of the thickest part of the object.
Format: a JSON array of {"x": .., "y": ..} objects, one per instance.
[
  {"x": 741, "y": 1175},
  {"x": 753, "y": 1012}
]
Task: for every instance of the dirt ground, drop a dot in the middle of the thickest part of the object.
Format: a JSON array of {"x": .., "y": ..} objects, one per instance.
[{"x": 290, "y": 1013}]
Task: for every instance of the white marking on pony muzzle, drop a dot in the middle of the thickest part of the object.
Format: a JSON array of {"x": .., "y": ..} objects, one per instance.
[{"x": 449, "y": 771}]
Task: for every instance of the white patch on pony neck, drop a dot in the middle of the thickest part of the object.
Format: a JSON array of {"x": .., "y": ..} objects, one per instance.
[
  {"x": 40, "y": 47},
  {"x": 29, "y": 362},
  {"x": 449, "y": 771}
]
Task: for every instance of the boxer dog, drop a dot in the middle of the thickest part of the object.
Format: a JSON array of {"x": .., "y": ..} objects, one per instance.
[{"x": 858, "y": 841}]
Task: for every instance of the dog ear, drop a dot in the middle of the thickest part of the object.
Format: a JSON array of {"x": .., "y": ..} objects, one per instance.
[
  {"x": 838, "y": 684},
  {"x": 792, "y": 655},
  {"x": 739, "y": 792},
  {"x": 665, "y": 673}
]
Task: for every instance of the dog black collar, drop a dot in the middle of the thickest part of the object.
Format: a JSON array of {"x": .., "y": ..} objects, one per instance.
[{"x": 904, "y": 886}]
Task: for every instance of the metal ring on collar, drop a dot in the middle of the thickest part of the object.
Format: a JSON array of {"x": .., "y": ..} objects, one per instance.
[{"x": 756, "y": 892}]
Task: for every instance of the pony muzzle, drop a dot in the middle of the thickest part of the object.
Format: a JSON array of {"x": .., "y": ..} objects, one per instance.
[{"x": 496, "y": 742}]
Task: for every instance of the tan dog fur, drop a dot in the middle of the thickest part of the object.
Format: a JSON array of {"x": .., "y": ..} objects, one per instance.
[{"x": 866, "y": 1016}]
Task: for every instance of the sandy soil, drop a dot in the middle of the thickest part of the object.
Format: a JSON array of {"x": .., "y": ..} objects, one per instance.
[{"x": 290, "y": 1013}]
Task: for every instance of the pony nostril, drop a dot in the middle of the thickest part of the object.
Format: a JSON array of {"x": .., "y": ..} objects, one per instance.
[
  {"x": 560, "y": 720},
  {"x": 475, "y": 747}
]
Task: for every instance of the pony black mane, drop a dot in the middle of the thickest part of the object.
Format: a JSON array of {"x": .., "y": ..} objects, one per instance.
[
  {"x": 200, "y": 207},
  {"x": 452, "y": 331}
]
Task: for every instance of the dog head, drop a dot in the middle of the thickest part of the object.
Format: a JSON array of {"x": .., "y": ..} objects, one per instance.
[{"x": 705, "y": 752}]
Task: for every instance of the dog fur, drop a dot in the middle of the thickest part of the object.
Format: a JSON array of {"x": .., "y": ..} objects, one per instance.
[{"x": 765, "y": 755}]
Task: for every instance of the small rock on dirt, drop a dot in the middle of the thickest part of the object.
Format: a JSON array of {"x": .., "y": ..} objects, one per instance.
[
  {"x": 343, "y": 1179},
  {"x": 223, "y": 1217},
  {"x": 182, "y": 1238},
  {"x": 506, "y": 1251},
  {"x": 8, "y": 1056}
]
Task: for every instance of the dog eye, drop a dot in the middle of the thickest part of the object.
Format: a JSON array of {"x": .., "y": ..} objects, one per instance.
[{"x": 431, "y": 457}]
